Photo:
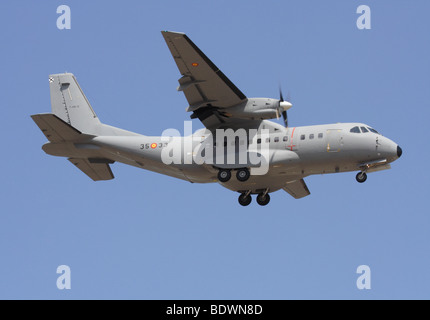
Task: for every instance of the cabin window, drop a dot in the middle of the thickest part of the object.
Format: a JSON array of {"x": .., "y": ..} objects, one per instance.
[
  {"x": 276, "y": 139},
  {"x": 320, "y": 135},
  {"x": 267, "y": 140},
  {"x": 258, "y": 140},
  {"x": 364, "y": 130},
  {"x": 302, "y": 137},
  {"x": 285, "y": 138},
  {"x": 355, "y": 130},
  {"x": 311, "y": 136}
]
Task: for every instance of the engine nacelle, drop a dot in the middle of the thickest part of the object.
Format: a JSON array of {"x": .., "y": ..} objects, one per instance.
[{"x": 258, "y": 109}]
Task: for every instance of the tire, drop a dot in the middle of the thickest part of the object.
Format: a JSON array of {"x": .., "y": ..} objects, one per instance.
[
  {"x": 245, "y": 200},
  {"x": 263, "y": 201},
  {"x": 224, "y": 175},
  {"x": 242, "y": 175},
  {"x": 361, "y": 177}
]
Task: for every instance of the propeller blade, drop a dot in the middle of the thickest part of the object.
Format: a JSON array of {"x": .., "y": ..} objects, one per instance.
[
  {"x": 284, "y": 106},
  {"x": 284, "y": 115}
]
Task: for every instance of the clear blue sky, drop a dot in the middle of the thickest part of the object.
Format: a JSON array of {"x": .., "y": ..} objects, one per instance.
[{"x": 144, "y": 235}]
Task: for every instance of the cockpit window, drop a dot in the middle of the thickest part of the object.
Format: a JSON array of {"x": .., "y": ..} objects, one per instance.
[
  {"x": 364, "y": 130},
  {"x": 373, "y": 130},
  {"x": 355, "y": 130}
]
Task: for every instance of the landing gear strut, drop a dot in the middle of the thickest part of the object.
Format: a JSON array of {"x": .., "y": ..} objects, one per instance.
[
  {"x": 224, "y": 175},
  {"x": 361, "y": 177},
  {"x": 245, "y": 199}
]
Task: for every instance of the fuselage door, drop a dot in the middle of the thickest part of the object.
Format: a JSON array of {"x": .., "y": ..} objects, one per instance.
[{"x": 334, "y": 140}]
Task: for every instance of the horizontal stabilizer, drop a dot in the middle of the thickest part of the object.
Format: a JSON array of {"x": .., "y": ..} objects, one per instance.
[
  {"x": 55, "y": 129},
  {"x": 297, "y": 189},
  {"x": 96, "y": 170}
]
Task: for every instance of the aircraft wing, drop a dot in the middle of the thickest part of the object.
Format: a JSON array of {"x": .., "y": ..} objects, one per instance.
[
  {"x": 205, "y": 86},
  {"x": 297, "y": 189}
]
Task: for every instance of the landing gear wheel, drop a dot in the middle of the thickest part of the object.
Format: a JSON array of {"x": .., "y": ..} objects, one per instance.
[
  {"x": 262, "y": 199},
  {"x": 361, "y": 177},
  {"x": 224, "y": 175},
  {"x": 245, "y": 199},
  {"x": 242, "y": 174}
]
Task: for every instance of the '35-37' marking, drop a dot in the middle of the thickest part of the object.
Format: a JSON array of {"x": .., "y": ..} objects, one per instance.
[{"x": 153, "y": 145}]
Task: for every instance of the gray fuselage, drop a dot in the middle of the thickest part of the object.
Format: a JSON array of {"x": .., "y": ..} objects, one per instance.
[{"x": 294, "y": 153}]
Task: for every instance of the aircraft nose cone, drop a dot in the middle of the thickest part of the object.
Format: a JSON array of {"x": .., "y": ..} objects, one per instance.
[{"x": 399, "y": 151}]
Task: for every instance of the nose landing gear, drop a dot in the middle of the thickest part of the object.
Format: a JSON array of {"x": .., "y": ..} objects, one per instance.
[{"x": 361, "y": 177}]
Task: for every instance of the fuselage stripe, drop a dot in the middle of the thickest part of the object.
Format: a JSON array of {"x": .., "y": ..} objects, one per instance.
[{"x": 292, "y": 135}]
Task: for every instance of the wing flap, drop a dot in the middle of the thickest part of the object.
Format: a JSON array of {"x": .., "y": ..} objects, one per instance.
[
  {"x": 95, "y": 170},
  {"x": 297, "y": 189},
  {"x": 55, "y": 129}
]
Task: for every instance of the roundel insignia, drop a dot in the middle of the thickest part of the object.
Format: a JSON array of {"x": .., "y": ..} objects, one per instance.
[{"x": 154, "y": 145}]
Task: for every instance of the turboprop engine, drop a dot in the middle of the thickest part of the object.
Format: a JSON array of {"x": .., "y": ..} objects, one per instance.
[{"x": 258, "y": 109}]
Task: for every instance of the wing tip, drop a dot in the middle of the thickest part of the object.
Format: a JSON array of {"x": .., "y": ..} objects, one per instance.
[
  {"x": 62, "y": 74},
  {"x": 173, "y": 33}
]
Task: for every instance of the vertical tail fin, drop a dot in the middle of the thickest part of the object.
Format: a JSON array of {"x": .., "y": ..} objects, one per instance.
[{"x": 70, "y": 104}]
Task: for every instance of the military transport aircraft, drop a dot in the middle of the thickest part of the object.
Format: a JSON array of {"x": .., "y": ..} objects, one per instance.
[{"x": 289, "y": 153}]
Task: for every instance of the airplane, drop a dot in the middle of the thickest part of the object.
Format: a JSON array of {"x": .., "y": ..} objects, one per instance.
[{"x": 289, "y": 154}]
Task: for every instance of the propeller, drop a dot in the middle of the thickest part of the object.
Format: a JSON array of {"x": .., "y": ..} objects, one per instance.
[{"x": 284, "y": 106}]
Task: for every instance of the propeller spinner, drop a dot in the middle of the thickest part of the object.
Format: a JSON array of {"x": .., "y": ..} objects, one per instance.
[{"x": 284, "y": 106}]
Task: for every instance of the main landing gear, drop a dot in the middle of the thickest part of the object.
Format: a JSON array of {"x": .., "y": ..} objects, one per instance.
[
  {"x": 361, "y": 177},
  {"x": 245, "y": 199},
  {"x": 224, "y": 175},
  {"x": 263, "y": 198},
  {"x": 243, "y": 174}
]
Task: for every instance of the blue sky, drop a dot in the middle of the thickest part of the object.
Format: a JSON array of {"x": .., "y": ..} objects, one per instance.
[{"x": 147, "y": 236}]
